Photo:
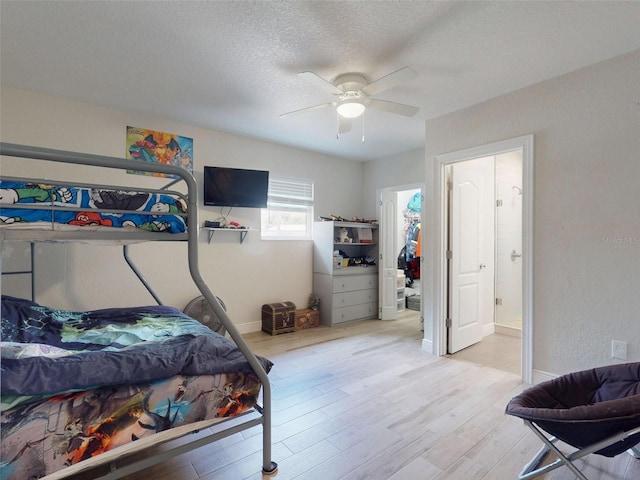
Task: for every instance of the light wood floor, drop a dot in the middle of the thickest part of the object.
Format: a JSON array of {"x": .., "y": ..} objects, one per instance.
[
  {"x": 363, "y": 401},
  {"x": 497, "y": 351}
]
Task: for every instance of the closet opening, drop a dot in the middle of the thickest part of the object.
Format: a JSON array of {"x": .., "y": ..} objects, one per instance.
[{"x": 400, "y": 267}]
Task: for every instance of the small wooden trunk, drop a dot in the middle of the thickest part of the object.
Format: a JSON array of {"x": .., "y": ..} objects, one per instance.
[
  {"x": 307, "y": 318},
  {"x": 278, "y": 317}
]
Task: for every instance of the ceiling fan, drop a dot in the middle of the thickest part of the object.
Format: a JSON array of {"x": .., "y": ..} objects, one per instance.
[{"x": 355, "y": 94}]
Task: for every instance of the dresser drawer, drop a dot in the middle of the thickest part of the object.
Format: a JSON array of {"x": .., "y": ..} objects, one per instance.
[
  {"x": 355, "y": 312},
  {"x": 354, "y": 282},
  {"x": 357, "y": 297}
]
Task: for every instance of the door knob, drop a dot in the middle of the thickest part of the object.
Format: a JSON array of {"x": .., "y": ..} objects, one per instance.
[
  {"x": 482, "y": 265},
  {"x": 515, "y": 255}
]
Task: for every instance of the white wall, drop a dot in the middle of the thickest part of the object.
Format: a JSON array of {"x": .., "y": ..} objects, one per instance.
[
  {"x": 407, "y": 168},
  {"x": 587, "y": 192},
  {"x": 244, "y": 276}
]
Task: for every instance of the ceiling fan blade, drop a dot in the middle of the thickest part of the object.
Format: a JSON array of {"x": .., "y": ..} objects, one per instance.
[
  {"x": 393, "y": 107},
  {"x": 320, "y": 82},
  {"x": 307, "y": 109},
  {"x": 344, "y": 124},
  {"x": 391, "y": 80}
]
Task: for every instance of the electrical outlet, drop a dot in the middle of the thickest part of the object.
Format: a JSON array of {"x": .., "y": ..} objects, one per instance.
[{"x": 619, "y": 349}]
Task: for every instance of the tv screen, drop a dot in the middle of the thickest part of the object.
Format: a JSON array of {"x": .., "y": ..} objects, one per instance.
[{"x": 235, "y": 187}]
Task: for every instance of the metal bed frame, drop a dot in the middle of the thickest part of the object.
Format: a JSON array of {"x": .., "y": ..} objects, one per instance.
[{"x": 261, "y": 415}]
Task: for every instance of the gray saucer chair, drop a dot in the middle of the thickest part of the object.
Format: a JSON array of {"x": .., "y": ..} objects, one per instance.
[{"x": 594, "y": 411}]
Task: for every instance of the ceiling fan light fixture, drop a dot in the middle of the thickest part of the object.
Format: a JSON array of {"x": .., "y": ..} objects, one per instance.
[{"x": 351, "y": 108}]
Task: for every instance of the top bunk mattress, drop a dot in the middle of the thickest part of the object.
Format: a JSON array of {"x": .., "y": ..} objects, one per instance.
[{"x": 56, "y": 207}]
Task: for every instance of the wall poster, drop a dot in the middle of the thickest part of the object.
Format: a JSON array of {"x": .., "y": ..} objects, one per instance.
[{"x": 158, "y": 147}]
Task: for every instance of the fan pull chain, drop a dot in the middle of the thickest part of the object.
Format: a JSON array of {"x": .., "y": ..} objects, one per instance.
[
  {"x": 337, "y": 125},
  {"x": 363, "y": 127}
]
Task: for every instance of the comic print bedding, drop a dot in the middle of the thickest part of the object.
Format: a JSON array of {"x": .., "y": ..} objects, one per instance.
[
  {"x": 77, "y": 384},
  {"x": 74, "y": 207}
]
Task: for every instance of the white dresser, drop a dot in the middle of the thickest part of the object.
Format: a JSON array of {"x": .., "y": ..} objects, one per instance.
[{"x": 347, "y": 284}]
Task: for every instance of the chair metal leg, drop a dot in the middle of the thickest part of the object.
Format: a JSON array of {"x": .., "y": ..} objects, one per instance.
[
  {"x": 535, "y": 461},
  {"x": 530, "y": 470},
  {"x": 562, "y": 459}
]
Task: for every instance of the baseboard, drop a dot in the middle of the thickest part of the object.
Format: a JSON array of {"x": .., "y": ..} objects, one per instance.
[
  {"x": 510, "y": 331},
  {"x": 488, "y": 329},
  {"x": 427, "y": 346},
  {"x": 249, "y": 327},
  {"x": 539, "y": 376}
]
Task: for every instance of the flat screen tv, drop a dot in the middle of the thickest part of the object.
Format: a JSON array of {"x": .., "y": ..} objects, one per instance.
[{"x": 235, "y": 187}]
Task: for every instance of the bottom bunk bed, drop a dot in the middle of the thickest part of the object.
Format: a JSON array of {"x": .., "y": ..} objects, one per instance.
[
  {"x": 76, "y": 385},
  {"x": 84, "y": 389}
]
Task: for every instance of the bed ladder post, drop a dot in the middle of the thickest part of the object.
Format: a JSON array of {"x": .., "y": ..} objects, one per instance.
[
  {"x": 269, "y": 467},
  {"x": 30, "y": 271},
  {"x": 32, "y": 258},
  {"x": 125, "y": 252}
]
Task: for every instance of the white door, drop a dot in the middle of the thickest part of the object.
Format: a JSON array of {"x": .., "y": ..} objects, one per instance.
[
  {"x": 467, "y": 263},
  {"x": 388, "y": 262}
]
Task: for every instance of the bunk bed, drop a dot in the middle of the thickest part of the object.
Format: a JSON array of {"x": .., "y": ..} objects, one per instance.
[{"x": 90, "y": 390}]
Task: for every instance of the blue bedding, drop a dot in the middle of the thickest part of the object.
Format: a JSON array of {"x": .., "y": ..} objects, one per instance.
[
  {"x": 46, "y": 351},
  {"x": 82, "y": 207}
]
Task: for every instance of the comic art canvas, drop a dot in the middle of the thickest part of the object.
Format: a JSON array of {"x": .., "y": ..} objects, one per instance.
[{"x": 159, "y": 147}]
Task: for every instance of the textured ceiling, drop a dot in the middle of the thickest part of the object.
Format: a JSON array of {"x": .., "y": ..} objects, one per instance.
[{"x": 231, "y": 66}]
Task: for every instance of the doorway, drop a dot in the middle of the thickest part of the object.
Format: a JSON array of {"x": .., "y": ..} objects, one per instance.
[
  {"x": 484, "y": 268},
  {"x": 400, "y": 265},
  {"x": 523, "y": 145}
]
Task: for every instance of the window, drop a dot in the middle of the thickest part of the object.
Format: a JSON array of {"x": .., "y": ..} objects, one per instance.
[{"x": 289, "y": 212}]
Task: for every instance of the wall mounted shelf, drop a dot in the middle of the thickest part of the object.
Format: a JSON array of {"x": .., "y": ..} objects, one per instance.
[{"x": 242, "y": 231}]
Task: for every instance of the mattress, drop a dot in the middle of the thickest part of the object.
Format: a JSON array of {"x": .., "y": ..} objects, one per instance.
[
  {"x": 54, "y": 206},
  {"x": 44, "y": 437},
  {"x": 78, "y": 384}
]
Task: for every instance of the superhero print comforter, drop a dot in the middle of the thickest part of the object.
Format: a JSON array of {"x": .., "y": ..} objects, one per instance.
[
  {"x": 72, "y": 207},
  {"x": 78, "y": 384}
]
